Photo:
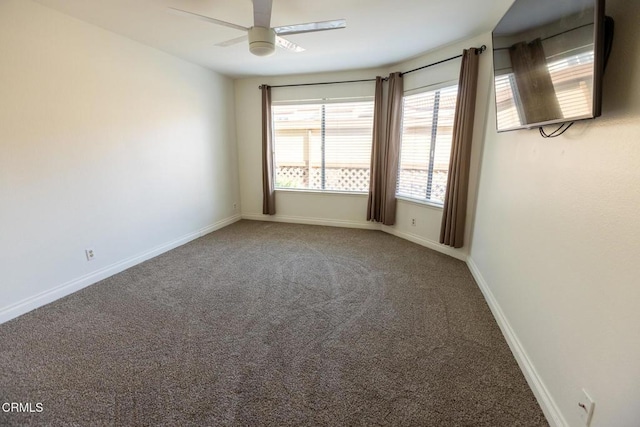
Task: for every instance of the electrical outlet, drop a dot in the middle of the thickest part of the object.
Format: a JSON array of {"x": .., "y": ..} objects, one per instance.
[
  {"x": 585, "y": 407},
  {"x": 235, "y": 207},
  {"x": 413, "y": 222},
  {"x": 90, "y": 254}
]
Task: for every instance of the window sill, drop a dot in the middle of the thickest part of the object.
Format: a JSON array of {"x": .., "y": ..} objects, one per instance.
[
  {"x": 321, "y": 192},
  {"x": 421, "y": 202}
]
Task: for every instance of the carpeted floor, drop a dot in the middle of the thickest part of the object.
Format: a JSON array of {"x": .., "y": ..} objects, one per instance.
[{"x": 270, "y": 324}]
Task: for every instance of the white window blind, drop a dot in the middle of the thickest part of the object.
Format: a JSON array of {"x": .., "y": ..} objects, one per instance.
[
  {"x": 323, "y": 146},
  {"x": 427, "y": 131}
]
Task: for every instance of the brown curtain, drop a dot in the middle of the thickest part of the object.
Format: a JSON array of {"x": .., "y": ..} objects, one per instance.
[
  {"x": 385, "y": 153},
  {"x": 375, "y": 178},
  {"x": 268, "y": 191},
  {"x": 455, "y": 201},
  {"x": 537, "y": 94}
]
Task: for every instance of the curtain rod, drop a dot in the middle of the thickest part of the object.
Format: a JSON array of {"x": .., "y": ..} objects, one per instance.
[
  {"x": 478, "y": 50},
  {"x": 322, "y": 83}
]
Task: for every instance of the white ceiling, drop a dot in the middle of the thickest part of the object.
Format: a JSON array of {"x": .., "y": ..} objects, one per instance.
[{"x": 378, "y": 33}]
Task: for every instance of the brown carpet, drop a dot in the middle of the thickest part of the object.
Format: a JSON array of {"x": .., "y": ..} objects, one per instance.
[{"x": 270, "y": 324}]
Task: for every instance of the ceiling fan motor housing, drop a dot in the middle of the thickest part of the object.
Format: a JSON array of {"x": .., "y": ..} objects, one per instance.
[{"x": 262, "y": 41}]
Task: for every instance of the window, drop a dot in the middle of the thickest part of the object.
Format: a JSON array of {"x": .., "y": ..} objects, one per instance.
[
  {"x": 323, "y": 146},
  {"x": 427, "y": 132}
]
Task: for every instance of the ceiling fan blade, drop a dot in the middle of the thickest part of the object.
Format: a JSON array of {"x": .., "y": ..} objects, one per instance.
[
  {"x": 233, "y": 41},
  {"x": 289, "y": 45},
  {"x": 262, "y": 13},
  {"x": 336, "y": 24},
  {"x": 206, "y": 19}
]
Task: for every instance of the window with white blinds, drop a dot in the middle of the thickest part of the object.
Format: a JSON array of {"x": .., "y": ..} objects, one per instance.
[
  {"x": 427, "y": 131},
  {"x": 323, "y": 146}
]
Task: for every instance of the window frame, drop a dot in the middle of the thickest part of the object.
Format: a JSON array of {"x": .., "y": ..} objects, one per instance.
[
  {"x": 323, "y": 102},
  {"x": 436, "y": 87}
]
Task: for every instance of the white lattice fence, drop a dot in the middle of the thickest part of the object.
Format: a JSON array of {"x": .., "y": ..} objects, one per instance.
[
  {"x": 415, "y": 183},
  {"x": 292, "y": 177},
  {"x": 439, "y": 186},
  {"x": 338, "y": 179},
  {"x": 357, "y": 179}
]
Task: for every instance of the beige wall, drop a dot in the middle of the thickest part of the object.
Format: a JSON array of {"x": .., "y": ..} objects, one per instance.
[
  {"x": 556, "y": 244},
  {"x": 348, "y": 209},
  {"x": 104, "y": 143}
]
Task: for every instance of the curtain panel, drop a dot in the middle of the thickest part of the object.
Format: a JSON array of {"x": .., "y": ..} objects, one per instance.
[
  {"x": 455, "y": 201},
  {"x": 268, "y": 173},
  {"x": 385, "y": 153},
  {"x": 375, "y": 179}
]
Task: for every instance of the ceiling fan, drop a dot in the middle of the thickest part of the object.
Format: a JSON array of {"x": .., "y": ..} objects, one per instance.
[{"x": 262, "y": 37}]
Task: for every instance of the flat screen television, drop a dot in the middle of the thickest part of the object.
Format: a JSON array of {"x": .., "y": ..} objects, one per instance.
[{"x": 548, "y": 61}]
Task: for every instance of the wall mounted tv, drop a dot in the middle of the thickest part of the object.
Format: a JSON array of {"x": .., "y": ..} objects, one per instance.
[{"x": 548, "y": 61}]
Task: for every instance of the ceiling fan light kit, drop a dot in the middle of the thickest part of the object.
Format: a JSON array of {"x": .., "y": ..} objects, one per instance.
[
  {"x": 262, "y": 41},
  {"x": 262, "y": 37}
]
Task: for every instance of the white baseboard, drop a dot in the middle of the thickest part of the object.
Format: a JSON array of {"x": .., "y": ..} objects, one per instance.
[
  {"x": 546, "y": 401},
  {"x": 313, "y": 221},
  {"x": 50, "y": 295},
  {"x": 431, "y": 244},
  {"x": 367, "y": 225},
  {"x": 216, "y": 226}
]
